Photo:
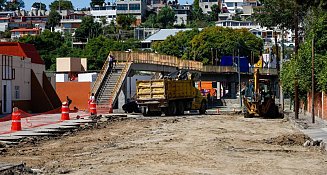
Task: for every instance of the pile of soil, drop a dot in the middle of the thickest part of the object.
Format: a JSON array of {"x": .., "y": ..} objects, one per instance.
[{"x": 288, "y": 139}]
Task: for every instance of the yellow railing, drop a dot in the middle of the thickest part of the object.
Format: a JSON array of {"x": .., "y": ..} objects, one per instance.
[{"x": 100, "y": 77}]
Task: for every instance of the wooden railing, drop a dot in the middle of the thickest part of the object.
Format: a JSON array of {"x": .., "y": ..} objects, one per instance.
[
  {"x": 153, "y": 58},
  {"x": 100, "y": 77},
  {"x": 216, "y": 69},
  {"x": 120, "y": 81},
  {"x": 167, "y": 60}
]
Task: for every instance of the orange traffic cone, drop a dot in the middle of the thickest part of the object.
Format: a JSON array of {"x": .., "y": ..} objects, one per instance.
[
  {"x": 93, "y": 108},
  {"x": 16, "y": 120},
  {"x": 65, "y": 111},
  {"x": 110, "y": 107}
]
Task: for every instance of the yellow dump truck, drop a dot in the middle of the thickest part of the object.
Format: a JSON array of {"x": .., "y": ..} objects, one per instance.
[{"x": 172, "y": 97}]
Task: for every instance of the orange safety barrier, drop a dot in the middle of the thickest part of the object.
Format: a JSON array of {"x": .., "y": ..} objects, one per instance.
[
  {"x": 16, "y": 120},
  {"x": 93, "y": 108},
  {"x": 64, "y": 111}
]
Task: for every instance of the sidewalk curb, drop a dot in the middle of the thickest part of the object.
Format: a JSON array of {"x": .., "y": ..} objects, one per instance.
[{"x": 313, "y": 134}]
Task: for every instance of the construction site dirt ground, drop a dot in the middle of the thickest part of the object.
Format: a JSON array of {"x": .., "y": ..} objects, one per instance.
[{"x": 192, "y": 144}]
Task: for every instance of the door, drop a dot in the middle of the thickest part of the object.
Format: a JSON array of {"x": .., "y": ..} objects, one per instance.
[{"x": 6, "y": 97}]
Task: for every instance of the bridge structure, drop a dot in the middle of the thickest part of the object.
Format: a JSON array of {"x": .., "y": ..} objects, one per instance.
[{"x": 110, "y": 87}]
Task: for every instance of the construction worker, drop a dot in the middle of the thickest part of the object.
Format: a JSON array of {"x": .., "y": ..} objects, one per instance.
[
  {"x": 92, "y": 98},
  {"x": 69, "y": 101}
]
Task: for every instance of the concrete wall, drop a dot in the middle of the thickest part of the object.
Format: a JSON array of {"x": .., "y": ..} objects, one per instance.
[
  {"x": 38, "y": 70},
  {"x": 79, "y": 97}
]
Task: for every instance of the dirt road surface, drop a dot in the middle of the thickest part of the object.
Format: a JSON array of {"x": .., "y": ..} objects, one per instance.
[{"x": 219, "y": 144}]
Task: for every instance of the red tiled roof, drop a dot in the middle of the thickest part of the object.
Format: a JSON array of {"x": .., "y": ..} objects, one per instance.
[
  {"x": 21, "y": 50},
  {"x": 24, "y": 30}
]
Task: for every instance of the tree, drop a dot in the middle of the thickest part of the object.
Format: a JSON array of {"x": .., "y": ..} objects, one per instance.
[
  {"x": 37, "y": 5},
  {"x": 178, "y": 45},
  {"x": 196, "y": 5},
  {"x": 46, "y": 43},
  {"x": 197, "y": 45},
  {"x": 226, "y": 40},
  {"x": 166, "y": 17},
  {"x": 53, "y": 19},
  {"x": 97, "y": 50},
  {"x": 96, "y": 2},
  {"x": 88, "y": 28},
  {"x": 110, "y": 30},
  {"x": 64, "y": 5},
  {"x": 125, "y": 21},
  {"x": 151, "y": 21},
  {"x": 215, "y": 10},
  {"x": 14, "y": 5}
]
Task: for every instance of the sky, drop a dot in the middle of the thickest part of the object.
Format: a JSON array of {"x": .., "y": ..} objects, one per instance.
[{"x": 77, "y": 3}]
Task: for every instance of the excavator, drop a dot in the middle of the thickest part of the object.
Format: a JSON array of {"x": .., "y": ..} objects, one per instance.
[{"x": 261, "y": 101}]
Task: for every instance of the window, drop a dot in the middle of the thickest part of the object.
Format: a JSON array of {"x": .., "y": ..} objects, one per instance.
[
  {"x": 229, "y": 4},
  {"x": 122, "y": 7},
  {"x": 134, "y": 7},
  {"x": 206, "y": 6},
  {"x": 17, "y": 94},
  {"x": 8, "y": 73}
]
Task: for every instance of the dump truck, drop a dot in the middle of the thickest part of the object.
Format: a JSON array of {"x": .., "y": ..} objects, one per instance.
[
  {"x": 261, "y": 101},
  {"x": 171, "y": 96}
]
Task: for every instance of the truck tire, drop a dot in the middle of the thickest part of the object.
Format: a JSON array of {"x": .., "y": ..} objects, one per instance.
[
  {"x": 180, "y": 108},
  {"x": 171, "y": 109},
  {"x": 203, "y": 107}
]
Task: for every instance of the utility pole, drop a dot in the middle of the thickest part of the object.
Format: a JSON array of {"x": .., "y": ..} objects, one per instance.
[
  {"x": 281, "y": 93},
  {"x": 313, "y": 83},
  {"x": 296, "y": 88},
  {"x": 239, "y": 77}
]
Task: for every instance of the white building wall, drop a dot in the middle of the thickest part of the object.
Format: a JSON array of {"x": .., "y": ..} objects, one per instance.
[
  {"x": 22, "y": 78},
  {"x": 62, "y": 78},
  {"x": 87, "y": 77},
  {"x": 3, "y": 27},
  {"x": 181, "y": 19},
  {"x": 20, "y": 86},
  {"x": 108, "y": 14}
]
